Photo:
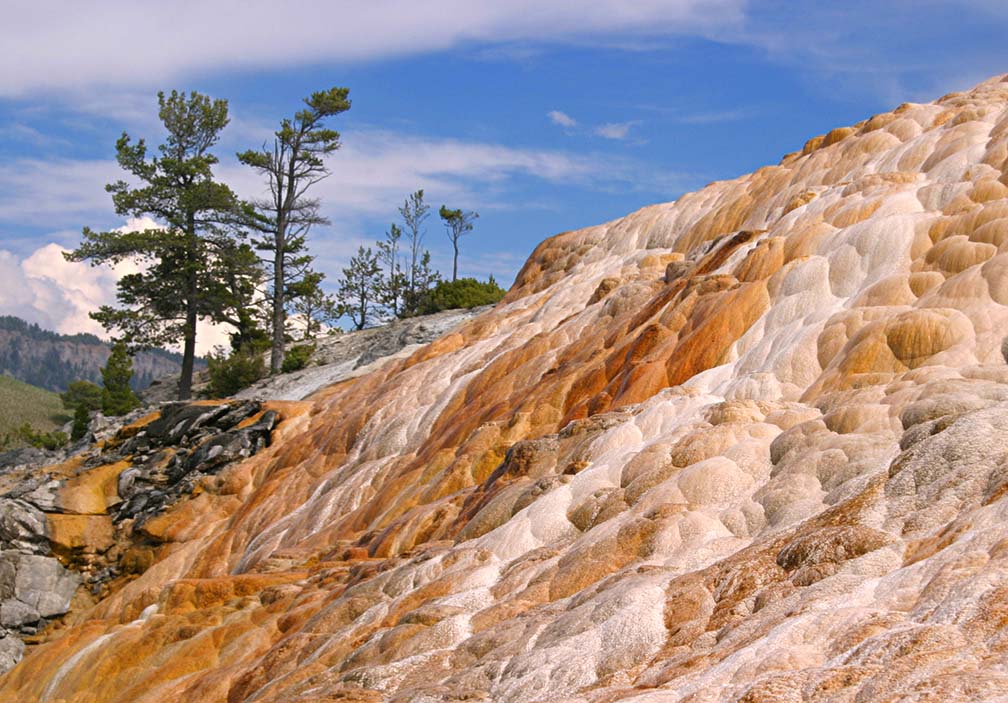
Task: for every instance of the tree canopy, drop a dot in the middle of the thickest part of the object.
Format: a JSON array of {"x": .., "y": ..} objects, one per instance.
[
  {"x": 179, "y": 276},
  {"x": 457, "y": 224},
  {"x": 117, "y": 396},
  {"x": 292, "y": 164}
]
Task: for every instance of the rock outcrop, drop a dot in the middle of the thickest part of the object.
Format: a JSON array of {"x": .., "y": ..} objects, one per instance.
[
  {"x": 343, "y": 356},
  {"x": 335, "y": 358},
  {"x": 84, "y": 523},
  {"x": 748, "y": 446}
]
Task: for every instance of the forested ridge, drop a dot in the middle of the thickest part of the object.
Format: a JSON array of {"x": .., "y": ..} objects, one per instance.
[{"x": 51, "y": 360}]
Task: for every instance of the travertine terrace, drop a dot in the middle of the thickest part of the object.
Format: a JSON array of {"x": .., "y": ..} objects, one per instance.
[{"x": 748, "y": 446}]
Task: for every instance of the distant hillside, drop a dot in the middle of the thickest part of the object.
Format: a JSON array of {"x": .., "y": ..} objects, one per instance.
[
  {"x": 20, "y": 403},
  {"x": 50, "y": 360}
]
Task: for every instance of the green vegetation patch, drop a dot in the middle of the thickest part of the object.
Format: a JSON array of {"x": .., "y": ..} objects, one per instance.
[
  {"x": 22, "y": 404},
  {"x": 297, "y": 357},
  {"x": 463, "y": 293},
  {"x": 230, "y": 374}
]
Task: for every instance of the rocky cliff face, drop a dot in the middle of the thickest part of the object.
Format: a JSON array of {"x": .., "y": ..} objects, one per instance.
[
  {"x": 748, "y": 446},
  {"x": 50, "y": 360}
]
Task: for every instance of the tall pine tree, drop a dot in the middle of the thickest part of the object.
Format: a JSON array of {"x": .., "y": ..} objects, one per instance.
[
  {"x": 457, "y": 224},
  {"x": 421, "y": 276},
  {"x": 292, "y": 164},
  {"x": 180, "y": 277}
]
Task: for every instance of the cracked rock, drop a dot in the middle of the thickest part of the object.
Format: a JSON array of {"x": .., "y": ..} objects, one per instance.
[{"x": 23, "y": 527}]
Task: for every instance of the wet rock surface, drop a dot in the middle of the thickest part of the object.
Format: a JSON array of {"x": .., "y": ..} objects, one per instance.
[
  {"x": 773, "y": 472},
  {"x": 80, "y": 523}
]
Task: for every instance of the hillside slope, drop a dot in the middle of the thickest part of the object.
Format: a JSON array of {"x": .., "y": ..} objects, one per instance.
[
  {"x": 51, "y": 360},
  {"x": 748, "y": 446},
  {"x": 20, "y": 403}
]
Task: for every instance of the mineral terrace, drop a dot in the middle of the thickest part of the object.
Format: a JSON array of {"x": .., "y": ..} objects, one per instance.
[{"x": 751, "y": 446}]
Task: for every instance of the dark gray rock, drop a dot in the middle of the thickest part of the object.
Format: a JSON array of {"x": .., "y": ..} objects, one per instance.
[
  {"x": 186, "y": 442},
  {"x": 44, "y": 495},
  {"x": 126, "y": 484},
  {"x": 29, "y": 458}
]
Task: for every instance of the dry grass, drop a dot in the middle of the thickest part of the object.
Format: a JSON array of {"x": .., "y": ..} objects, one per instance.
[{"x": 20, "y": 403}]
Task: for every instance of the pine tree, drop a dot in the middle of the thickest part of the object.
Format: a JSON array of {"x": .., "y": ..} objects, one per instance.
[
  {"x": 393, "y": 283},
  {"x": 311, "y": 306},
  {"x": 117, "y": 396},
  {"x": 426, "y": 279},
  {"x": 82, "y": 393},
  {"x": 292, "y": 164},
  {"x": 81, "y": 422},
  {"x": 457, "y": 224},
  {"x": 414, "y": 212},
  {"x": 241, "y": 276},
  {"x": 359, "y": 288},
  {"x": 178, "y": 283},
  {"x": 82, "y": 397}
]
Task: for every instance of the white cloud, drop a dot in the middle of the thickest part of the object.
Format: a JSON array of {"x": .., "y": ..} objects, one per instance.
[
  {"x": 561, "y": 118},
  {"x": 69, "y": 44},
  {"x": 375, "y": 168},
  {"x": 57, "y": 294},
  {"x": 371, "y": 174},
  {"x": 614, "y": 130},
  {"x": 868, "y": 46}
]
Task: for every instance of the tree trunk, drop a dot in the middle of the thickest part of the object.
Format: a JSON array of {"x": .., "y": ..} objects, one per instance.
[
  {"x": 361, "y": 310},
  {"x": 455, "y": 260},
  {"x": 277, "y": 346},
  {"x": 189, "y": 346},
  {"x": 188, "y": 353},
  {"x": 411, "y": 291}
]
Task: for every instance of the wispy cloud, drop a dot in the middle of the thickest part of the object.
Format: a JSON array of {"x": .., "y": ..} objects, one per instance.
[
  {"x": 717, "y": 116},
  {"x": 894, "y": 51},
  {"x": 863, "y": 46},
  {"x": 491, "y": 263},
  {"x": 561, "y": 118},
  {"x": 375, "y": 169},
  {"x": 698, "y": 115},
  {"x": 55, "y": 193},
  {"x": 43, "y": 40},
  {"x": 26, "y": 134},
  {"x": 371, "y": 174},
  {"x": 609, "y": 130},
  {"x": 614, "y": 130}
]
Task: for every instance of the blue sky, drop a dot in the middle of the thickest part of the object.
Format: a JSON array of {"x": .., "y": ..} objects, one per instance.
[{"x": 542, "y": 116}]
